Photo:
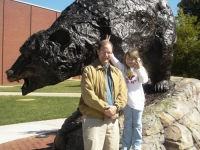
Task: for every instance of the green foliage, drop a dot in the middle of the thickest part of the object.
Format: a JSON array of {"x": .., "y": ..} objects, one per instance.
[
  {"x": 187, "y": 52},
  {"x": 190, "y": 7}
]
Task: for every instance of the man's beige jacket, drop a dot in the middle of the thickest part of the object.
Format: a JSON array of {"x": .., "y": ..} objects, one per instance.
[{"x": 93, "y": 90}]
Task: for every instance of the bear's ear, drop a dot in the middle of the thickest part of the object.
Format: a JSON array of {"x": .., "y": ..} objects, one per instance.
[{"x": 61, "y": 36}]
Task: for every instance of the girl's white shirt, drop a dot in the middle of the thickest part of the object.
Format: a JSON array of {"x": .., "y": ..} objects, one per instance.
[{"x": 136, "y": 98}]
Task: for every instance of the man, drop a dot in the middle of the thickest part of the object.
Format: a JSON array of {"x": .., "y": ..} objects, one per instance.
[{"x": 104, "y": 94}]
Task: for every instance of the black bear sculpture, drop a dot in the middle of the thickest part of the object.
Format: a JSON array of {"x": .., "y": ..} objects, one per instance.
[{"x": 63, "y": 50}]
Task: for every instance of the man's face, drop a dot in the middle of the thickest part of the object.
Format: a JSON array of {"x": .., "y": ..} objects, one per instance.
[{"x": 105, "y": 54}]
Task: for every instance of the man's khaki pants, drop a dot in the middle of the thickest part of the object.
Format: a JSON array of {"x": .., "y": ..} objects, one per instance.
[{"x": 100, "y": 134}]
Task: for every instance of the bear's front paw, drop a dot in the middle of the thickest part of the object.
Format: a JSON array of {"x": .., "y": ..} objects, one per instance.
[{"x": 161, "y": 86}]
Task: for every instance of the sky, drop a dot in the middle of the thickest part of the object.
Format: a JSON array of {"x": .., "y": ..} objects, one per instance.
[{"x": 60, "y": 5}]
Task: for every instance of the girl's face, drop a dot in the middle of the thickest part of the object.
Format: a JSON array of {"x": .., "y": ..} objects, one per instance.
[{"x": 131, "y": 61}]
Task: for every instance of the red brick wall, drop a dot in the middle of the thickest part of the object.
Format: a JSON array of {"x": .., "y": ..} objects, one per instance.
[
  {"x": 41, "y": 19},
  {"x": 1, "y": 39},
  {"x": 16, "y": 30},
  {"x": 18, "y": 22},
  {"x": 77, "y": 77}
]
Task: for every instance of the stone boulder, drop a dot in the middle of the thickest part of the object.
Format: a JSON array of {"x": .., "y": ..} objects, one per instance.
[{"x": 172, "y": 123}]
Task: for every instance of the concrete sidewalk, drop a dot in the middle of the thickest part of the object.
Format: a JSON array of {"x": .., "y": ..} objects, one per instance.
[
  {"x": 23, "y": 130},
  {"x": 43, "y": 94}
]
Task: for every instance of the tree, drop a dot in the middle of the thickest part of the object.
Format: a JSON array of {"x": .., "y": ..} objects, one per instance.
[
  {"x": 187, "y": 50},
  {"x": 190, "y": 7}
]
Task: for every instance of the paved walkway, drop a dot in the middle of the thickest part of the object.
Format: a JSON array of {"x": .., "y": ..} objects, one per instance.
[
  {"x": 43, "y": 94},
  {"x": 23, "y": 130},
  {"x": 29, "y": 136},
  {"x": 37, "y": 135},
  {"x": 30, "y": 143}
]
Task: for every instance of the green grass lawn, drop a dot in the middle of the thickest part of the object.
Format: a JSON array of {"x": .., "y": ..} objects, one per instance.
[
  {"x": 19, "y": 109},
  {"x": 68, "y": 86}
]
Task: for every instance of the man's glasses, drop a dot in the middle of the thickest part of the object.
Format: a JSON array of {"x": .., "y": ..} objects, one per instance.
[{"x": 104, "y": 52}]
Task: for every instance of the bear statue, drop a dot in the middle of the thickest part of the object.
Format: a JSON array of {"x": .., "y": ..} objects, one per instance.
[{"x": 63, "y": 50}]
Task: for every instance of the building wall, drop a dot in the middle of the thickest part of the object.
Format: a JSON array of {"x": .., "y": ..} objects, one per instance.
[
  {"x": 18, "y": 21},
  {"x": 1, "y": 39}
]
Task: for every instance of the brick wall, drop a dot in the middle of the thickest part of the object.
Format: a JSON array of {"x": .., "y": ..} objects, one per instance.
[
  {"x": 1, "y": 39},
  {"x": 18, "y": 21}
]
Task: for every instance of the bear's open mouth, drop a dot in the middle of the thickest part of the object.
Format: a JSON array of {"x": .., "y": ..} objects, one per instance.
[
  {"x": 26, "y": 83},
  {"x": 25, "y": 86},
  {"x": 29, "y": 85}
]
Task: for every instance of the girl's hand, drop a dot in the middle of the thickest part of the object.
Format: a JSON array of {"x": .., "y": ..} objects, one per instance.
[
  {"x": 108, "y": 37},
  {"x": 138, "y": 63}
]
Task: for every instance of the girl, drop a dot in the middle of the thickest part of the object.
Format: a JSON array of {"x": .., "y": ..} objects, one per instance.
[{"x": 135, "y": 75}]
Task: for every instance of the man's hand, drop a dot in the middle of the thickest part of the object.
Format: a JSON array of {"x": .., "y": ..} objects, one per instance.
[
  {"x": 115, "y": 116},
  {"x": 111, "y": 111}
]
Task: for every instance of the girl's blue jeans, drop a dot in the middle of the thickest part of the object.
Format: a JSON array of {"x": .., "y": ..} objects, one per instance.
[{"x": 132, "y": 133}]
